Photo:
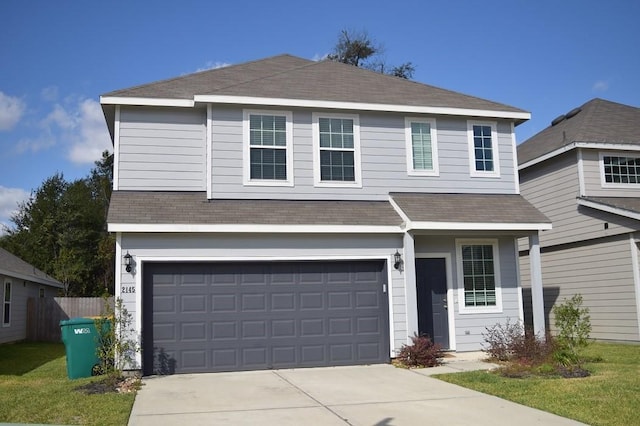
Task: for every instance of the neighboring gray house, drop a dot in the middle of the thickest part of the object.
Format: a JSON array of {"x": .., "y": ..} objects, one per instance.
[
  {"x": 20, "y": 281},
  {"x": 289, "y": 213},
  {"x": 583, "y": 172}
]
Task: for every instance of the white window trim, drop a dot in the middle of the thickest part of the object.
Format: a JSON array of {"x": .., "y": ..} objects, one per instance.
[
  {"x": 603, "y": 181},
  {"x": 246, "y": 149},
  {"x": 460, "y": 277},
  {"x": 357, "y": 183},
  {"x": 435, "y": 171},
  {"x": 494, "y": 148},
  {"x": 4, "y": 303}
]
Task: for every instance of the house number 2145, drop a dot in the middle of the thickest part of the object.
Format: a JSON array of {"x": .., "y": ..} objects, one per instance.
[{"x": 128, "y": 289}]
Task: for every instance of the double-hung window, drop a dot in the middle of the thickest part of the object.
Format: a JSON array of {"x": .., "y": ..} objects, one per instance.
[
  {"x": 336, "y": 140},
  {"x": 422, "y": 146},
  {"x": 6, "y": 306},
  {"x": 268, "y": 148},
  {"x": 479, "y": 276},
  {"x": 619, "y": 169},
  {"x": 483, "y": 149}
]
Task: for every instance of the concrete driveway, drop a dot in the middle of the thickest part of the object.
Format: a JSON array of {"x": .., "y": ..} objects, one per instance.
[{"x": 380, "y": 395}]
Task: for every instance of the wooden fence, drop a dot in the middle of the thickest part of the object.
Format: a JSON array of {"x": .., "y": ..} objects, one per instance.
[{"x": 44, "y": 314}]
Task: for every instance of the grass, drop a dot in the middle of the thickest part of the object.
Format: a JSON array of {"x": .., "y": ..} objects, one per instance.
[
  {"x": 610, "y": 396},
  {"x": 34, "y": 388}
]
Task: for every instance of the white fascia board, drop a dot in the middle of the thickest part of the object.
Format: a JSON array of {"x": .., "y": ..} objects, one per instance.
[
  {"x": 398, "y": 210},
  {"x": 249, "y": 228},
  {"x": 609, "y": 209},
  {"x": 572, "y": 145},
  {"x": 118, "y": 100},
  {"x": 478, "y": 226},
  {"x": 310, "y": 103},
  {"x": 30, "y": 278}
]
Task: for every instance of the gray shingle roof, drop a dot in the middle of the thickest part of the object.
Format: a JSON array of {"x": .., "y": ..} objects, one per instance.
[
  {"x": 147, "y": 207},
  {"x": 13, "y": 266},
  {"x": 598, "y": 121},
  {"x": 289, "y": 77},
  {"x": 630, "y": 204},
  {"x": 469, "y": 208}
]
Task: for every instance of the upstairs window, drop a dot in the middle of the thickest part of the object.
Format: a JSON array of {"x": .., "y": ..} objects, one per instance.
[
  {"x": 621, "y": 169},
  {"x": 268, "y": 148},
  {"x": 336, "y": 145},
  {"x": 6, "y": 306},
  {"x": 478, "y": 271},
  {"x": 422, "y": 146},
  {"x": 483, "y": 149}
]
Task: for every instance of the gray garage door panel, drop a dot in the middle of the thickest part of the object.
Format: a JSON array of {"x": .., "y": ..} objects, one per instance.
[{"x": 201, "y": 317}]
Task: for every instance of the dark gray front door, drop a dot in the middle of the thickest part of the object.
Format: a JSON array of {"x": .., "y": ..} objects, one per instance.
[
  {"x": 205, "y": 317},
  {"x": 431, "y": 288}
]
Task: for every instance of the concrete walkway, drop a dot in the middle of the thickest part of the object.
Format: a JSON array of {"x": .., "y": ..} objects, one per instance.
[{"x": 376, "y": 395}]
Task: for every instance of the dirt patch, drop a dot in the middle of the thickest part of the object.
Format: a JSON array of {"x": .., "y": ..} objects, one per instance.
[{"x": 121, "y": 385}]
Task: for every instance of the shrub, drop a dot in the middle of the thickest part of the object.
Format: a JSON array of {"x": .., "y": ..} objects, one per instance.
[
  {"x": 574, "y": 325},
  {"x": 502, "y": 339},
  {"x": 422, "y": 352},
  {"x": 521, "y": 349}
]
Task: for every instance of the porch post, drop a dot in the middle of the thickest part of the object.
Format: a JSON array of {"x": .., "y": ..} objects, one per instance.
[
  {"x": 409, "y": 269},
  {"x": 537, "y": 295}
]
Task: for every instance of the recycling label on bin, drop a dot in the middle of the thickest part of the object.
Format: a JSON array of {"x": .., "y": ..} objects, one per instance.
[{"x": 85, "y": 330}]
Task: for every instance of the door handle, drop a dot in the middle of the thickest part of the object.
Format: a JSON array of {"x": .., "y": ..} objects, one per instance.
[{"x": 444, "y": 303}]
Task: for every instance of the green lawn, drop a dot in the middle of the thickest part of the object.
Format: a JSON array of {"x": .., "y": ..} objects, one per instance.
[
  {"x": 34, "y": 388},
  {"x": 610, "y": 396}
]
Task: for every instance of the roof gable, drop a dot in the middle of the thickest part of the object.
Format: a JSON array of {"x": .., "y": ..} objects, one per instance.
[
  {"x": 289, "y": 77},
  {"x": 597, "y": 121}
]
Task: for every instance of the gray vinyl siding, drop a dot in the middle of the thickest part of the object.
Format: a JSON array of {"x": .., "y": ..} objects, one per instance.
[
  {"x": 469, "y": 327},
  {"x": 383, "y": 160},
  {"x": 593, "y": 180},
  {"x": 21, "y": 290},
  {"x": 553, "y": 188},
  {"x": 162, "y": 149},
  {"x": 602, "y": 272},
  {"x": 270, "y": 247}
]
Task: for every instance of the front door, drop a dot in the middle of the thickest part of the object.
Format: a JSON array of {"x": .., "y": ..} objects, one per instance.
[{"x": 431, "y": 288}]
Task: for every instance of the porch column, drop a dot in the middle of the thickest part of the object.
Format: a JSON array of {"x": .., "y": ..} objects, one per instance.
[
  {"x": 409, "y": 269},
  {"x": 537, "y": 296}
]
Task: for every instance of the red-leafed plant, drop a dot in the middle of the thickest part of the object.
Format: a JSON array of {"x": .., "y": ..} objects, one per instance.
[{"x": 422, "y": 352}]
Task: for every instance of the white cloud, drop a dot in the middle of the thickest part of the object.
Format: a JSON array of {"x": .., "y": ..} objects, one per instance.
[
  {"x": 320, "y": 57},
  {"x": 600, "y": 86},
  {"x": 9, "y": 200},
  {"x": 42, "y": 142},
  {"x": 210, "y": 65},
  {"x": 60, "y": 117},
  {"x": 91, "y": 137},
  {"x": 50, "y": 93},
  {"x": 11, "y": 110}
]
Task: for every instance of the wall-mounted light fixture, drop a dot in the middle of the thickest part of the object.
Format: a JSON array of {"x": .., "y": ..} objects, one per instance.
[
  {"x": 128, "y": 260},
  {"x": 397, "y": 260}
]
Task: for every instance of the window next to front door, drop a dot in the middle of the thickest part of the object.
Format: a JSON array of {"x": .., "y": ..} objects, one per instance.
[{"x": 478, "y": 276}]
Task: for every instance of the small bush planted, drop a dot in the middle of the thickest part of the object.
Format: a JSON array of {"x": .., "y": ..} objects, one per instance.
[{"x": 422, "y": 352}]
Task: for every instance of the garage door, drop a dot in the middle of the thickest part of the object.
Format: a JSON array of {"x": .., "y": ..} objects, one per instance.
[{"x": 206, "y": 317}]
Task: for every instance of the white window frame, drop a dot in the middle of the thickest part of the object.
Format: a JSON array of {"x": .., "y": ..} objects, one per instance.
[
  {"x": 357, "y": 182},
  {"x": 495, "y": 173},
  {"x": 463, "y": 309},
  {"x": 435, "y": 171},
  {"x": 246, "y": 140},
  {"x": 5, "y": 302},
  {"x": 620, "y": 185}
]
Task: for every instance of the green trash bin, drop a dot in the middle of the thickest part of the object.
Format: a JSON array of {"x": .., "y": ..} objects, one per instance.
[{"x": 80, "y": 339}]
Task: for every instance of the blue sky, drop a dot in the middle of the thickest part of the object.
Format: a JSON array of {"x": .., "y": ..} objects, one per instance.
[{"x": 58, "y": 57}]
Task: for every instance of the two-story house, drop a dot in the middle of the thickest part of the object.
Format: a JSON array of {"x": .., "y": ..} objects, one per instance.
[
  {"x": 583, "y": 172},
  {"x": 290, "y": 213}
]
